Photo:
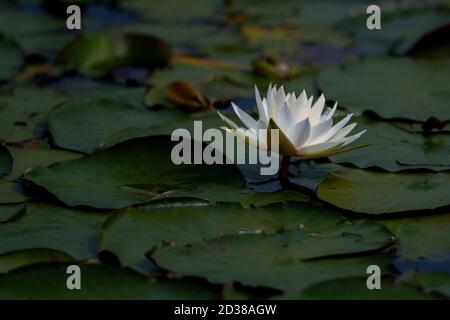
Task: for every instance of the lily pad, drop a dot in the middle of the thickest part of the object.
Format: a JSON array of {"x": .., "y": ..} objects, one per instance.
[
  {"x": 431, "y": 282},
  {"x": 5, "y": 161},
  {"x": 422, "y": 238},
  {"x": 400, "y": 30},
  {"x": 356, "y": 289},
  {"x": 99, "y": 52},
  {"x": 131, "y": 233},
  {"x": 44, "y": 226},
  {"x": 23, "y": 111},
  {"x": 393, "y": 149},
  {"x": 381, "y": 193},
  {"x": 97, "y": 282},
  {"x": 134, "y": 172},
  {"x": 12, "y": 192},
  {"x": 18, "y": 259},
  {"x": 9, "y": 211},
  {"x": 11, "y": 60},
  {"x": 33, "y": 157},
  {"x": 33, "y": 31},
  {"x": 85, "y": 126},
  {"x": 290, "y": 260},
  {"x": 392, "y": 88}
]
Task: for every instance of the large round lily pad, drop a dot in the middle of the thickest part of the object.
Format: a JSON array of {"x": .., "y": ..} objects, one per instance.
[
  {"x": 85, "y": 125},
  {"x": 380, "y": 193},
  {"x": 138, "y": 171},
  {"x": 422, "y": 238},
  {"x": 99, "y": 52},
  {"x": 22, "y": 258},
  {"x": 23, "y": 111},
  {"x": 392, "y": 88},
  {"x": 97, "y": 282},
  {"x": 5, "y": 161},
  {"x": 393, "y": 149},
  {"x": 131, "y": 233},
  {"x": 356, "y": 289},
  {"x": 11, "y": 60},
  {"x": 290, "y": 260},
  {"x": 44, "y": 226},
  {"x": 33, "y": 157}
]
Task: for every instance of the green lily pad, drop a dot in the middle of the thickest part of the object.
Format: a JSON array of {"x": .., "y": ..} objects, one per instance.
[
  {"x": 290, "y": 260},
  {"x": 131, "y": 233},
  {"x": 381, "y": 193},
  {"x": 6, "y": 161},
  {"x": 85, "y": 126},
  {"x": 9, "y": 211},
  {"x": 100, "y": 52},
  {"x": 134, "y": 172},
  {"x": 422, "y": 237},
  {"x": 33, "y": 31},
  {"x": 30, "y": 158},
  {"x": 12, "y": 192},
  {"x": 23, "y": 111},
  {"x": 97, "y": 282},
  {"x": 431, "y": 282},
  {"x": 393, "y": 149},
  {"x": 400, "y": 30},
  {"x": 44, "y": 226},
  {"x": 356, "y": 289},
  {"x": 88, "y": 91},
  {"x": 18, "y": 259},
  {"x": 11, "y": 60},
  {"x": 392, "y": 88}
]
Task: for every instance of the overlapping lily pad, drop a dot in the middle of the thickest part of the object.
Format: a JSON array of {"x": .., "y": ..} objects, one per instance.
[
  {"x": 98, "y": 282},
  {"x": 45, "y": 226},
  {"x": 392, "y": 88},
  {"x": 100, "y": 52},
  {"x": 9, "y": 211},
  {"x": 422, "y": 238},
  {"x": 290, "y": 260},
  {"x": 431, "y": 282},
  {"x": 23, "y": 111},
  {"x": 12, "y": 192},
  {"x": 381, "y": 193},
  {"x": 85, "y": 126},
  {"x": 131, "y": 233},
  {"x": 356, "y": 289},
  {"x": 401, "y": 29},
  {"x": 10, "y": 59},
  {"x": 393, "y": 149},
  {"x": 135, "y": 172},
  {"x": 33, "y": 157},
  {"x": 18, "y": 259},
  {"x": 5, "y": 161}
]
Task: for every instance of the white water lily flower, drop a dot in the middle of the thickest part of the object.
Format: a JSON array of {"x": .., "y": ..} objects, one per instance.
[{"x": 305, "y": 129}]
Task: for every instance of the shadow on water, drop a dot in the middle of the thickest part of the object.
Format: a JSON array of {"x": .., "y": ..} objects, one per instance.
[{"x": 422, "y": 265}]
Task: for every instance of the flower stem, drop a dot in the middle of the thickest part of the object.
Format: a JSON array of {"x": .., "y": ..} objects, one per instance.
[{"x": 284, "y": 170}]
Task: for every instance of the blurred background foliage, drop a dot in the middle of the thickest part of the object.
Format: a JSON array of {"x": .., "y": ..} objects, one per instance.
[{"x": 85, "y": 166}]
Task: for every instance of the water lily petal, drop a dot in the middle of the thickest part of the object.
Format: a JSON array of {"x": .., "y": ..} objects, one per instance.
[
  {"x": 317, "y": 109},
  {"x": 319, "y": 131},
  {"x": 335, "y": 129},
  {"x": 300, "y": 132},
  {"x": 285, "y": 147},
  {"x": 229, "y": 123},
  {"x": 319, "y": 150},
  {"x": 344, "y": 131},
  {"x": 246, "y": 119},
  {"x": 262, "y": 108},
  {"x": 350, "y": 139}
]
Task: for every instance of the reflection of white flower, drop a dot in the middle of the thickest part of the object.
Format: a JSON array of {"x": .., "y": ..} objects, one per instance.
[{"x": 304, "y": 129}]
